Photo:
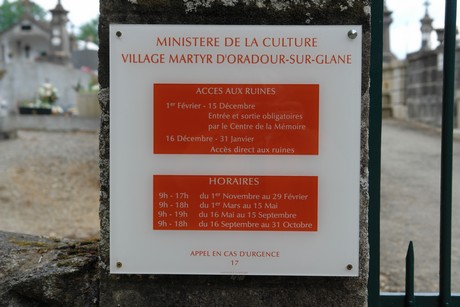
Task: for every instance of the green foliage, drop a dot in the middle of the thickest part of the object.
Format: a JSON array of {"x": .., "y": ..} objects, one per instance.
[
  {"x": 11, "y": 12},
  {"x": 88, "y": 31}
]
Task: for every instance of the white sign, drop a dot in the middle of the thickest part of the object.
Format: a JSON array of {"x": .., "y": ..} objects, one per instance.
[{"x": 235, "y": 149}]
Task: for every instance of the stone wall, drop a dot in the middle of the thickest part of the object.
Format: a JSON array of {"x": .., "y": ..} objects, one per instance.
[
  {"x": 394, "y": 89},
  {"x": 22, "y": 79},
  {"x": 48, "y": 123},
  {"x": 130, "y": 290},
  {"x": 424, "y": 85},
  {"x": 37, "y": 271}
]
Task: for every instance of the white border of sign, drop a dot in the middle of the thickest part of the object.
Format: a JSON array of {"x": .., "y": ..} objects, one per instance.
[{"x": 138, "y": 249}]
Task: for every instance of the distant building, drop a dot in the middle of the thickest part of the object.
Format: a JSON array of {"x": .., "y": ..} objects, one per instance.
[
  {"x": 412, "y": 88},
  {"x": 32, "y": 52},
  {"x": 34, "y": 40}
]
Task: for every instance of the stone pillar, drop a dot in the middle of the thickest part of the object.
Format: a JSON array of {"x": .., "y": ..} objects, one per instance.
[
  {"x": 426, "y": 28},
  {"x": 388, "y": 56},
  {"x": 195, "y": 290}
]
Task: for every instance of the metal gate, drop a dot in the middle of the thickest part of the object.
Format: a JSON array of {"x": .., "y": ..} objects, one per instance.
[{"x": 409, "y": 298}]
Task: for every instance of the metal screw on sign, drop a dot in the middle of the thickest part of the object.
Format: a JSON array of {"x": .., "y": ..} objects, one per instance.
[
  {"x": 118, "y": 34},
  {"x": 119, "y": 264},
  {"x": 349, "y": 267},
  {"x": 352, "y": 34}
]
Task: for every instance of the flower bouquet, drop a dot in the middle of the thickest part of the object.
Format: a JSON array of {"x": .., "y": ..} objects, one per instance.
[{"x": 47, "y": 95}]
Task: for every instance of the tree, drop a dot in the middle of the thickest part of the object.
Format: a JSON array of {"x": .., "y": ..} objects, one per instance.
[
  {"x": 88, "y": 31},
  {"x": 11, "y": 12}
]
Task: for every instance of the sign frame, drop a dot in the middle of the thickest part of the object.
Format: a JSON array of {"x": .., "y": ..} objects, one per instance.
[{"x": 334, "y": 63}]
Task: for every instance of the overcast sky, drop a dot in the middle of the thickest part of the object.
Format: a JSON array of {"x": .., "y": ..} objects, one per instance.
[
  {"x": 405, "y": 30},
  {"x": 80, "y": 11}
]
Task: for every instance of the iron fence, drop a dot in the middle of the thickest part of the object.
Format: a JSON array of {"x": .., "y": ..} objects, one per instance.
[{"x": 409, "y": 298}]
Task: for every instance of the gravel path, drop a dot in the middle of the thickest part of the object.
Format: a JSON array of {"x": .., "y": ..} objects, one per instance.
[
  {"x": 49, "y": 184},
  {"x": 410, "y": 190}
]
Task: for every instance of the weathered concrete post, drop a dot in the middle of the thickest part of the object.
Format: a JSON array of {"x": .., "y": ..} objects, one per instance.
[{"x": 234, "y": 289}]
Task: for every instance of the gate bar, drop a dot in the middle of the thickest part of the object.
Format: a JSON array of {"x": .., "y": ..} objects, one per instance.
[
  {"x": 375, "y": 131},
  {"x": 446, "y": 152},
  {"x": 410, "y": 297}
]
